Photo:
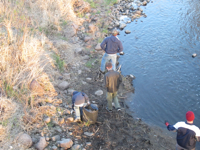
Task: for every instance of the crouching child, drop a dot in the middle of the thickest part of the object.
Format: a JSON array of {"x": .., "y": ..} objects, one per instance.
[{"x": 79, "y": 100}]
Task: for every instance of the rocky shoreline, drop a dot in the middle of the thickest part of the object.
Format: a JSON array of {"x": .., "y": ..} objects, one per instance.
[{"x": 113, "y": 131}]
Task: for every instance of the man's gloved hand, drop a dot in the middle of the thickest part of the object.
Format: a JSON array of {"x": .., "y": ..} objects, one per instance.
[
  {"x": 166, "y": 123},
  {"x": 121, "y": 53}
]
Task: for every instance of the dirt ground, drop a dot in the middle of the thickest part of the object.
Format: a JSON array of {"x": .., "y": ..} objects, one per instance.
[{"x": 117, "y": 130}]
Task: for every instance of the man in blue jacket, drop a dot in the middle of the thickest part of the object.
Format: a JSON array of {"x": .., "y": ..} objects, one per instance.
[
  {"x": 187, "y": 133},
  {"x": 79, "y": 100},
  {"x": 111, "y": 45}
]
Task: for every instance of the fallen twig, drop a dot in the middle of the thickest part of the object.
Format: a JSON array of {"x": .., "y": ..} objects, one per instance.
[
  {"x": 96, "y": 131},
  {"x": 108, "y": 126}
]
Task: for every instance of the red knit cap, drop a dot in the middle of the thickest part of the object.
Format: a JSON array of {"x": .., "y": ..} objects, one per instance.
[{"x": 190, "y": 116}]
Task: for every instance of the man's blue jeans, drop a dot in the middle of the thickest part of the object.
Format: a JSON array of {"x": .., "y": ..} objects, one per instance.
[{"x": 107, "y": 58}]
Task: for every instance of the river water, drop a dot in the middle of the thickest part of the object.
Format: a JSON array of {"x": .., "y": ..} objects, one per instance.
[{"x": 158, "y": 52}]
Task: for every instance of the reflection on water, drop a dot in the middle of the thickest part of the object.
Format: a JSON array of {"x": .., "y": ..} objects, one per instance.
[{"x": 158, "y": 52}]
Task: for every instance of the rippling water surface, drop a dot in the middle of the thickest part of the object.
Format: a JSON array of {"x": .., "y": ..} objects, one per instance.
[{"x": 159, "y": 53}]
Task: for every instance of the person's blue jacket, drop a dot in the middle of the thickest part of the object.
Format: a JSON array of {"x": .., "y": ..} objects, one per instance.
[
  {"x": 112, "y": 45},
  {"x": 79, "y": 98}
]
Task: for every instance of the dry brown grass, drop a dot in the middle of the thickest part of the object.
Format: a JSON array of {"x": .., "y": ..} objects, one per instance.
[
  {"x": 24, "y": 57},
  {"x": 10, "y": 121}
]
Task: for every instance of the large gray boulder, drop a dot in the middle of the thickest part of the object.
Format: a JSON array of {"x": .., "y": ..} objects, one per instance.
[
  {"x": 122, "y": 26},
  {"x": 41, "y": 144},
  {"x": 55, "y": 138},
  {"x": 63, "y": 85},
  {"x": 98, "y": 47},
  {"x": 65, "y": 143},
  {"x": 25, "y": 140},
  {"x": 76, "y": 147}
]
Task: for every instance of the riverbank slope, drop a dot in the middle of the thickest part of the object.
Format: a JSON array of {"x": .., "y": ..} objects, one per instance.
[{"x": 48, "y": 51}]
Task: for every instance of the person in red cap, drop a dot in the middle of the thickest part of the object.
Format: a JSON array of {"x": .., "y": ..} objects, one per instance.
[{"x": 187, "y": 133}]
